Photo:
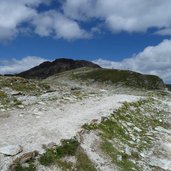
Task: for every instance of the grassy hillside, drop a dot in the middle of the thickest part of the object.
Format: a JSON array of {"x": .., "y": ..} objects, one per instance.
[
  {"x": 123, "y": 77},
  {"x": 10, "y": 86},
  {"x": 22, "y": 85}
]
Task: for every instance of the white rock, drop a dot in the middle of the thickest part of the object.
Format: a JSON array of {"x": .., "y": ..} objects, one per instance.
[
  {"x": 38, "y": 113},
  {"x": 163, "y": 130},
  {"x": 11, "y": 150},
  {"x": 41, "y": 103},
  {"x": 127, "y": 150},
  {"x": 5, "y": 162},
  {"x": 119, "y": 158},
  {"x": 165, "y": 164},
  {"x": 21, "y": 106},
  {"x": 15, "y": 93},
  {"x": 137, "y": 129}
]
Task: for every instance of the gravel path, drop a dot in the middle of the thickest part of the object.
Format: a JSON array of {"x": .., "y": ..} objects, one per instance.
[{"x": 41, "y": 124}]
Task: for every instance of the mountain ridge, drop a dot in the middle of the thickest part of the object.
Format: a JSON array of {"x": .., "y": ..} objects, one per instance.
[
  {"x": 48, "y": 68},
  {"x": 122, "y": 77}
]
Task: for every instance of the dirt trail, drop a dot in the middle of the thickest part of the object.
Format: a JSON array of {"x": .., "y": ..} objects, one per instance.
[{"x": 42, "y": 124}]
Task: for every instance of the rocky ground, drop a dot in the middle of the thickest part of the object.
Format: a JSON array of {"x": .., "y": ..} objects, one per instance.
[{"x": 84, "y": 114}]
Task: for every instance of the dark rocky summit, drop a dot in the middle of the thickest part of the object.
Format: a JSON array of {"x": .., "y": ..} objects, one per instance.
[{"x": 47, "y": 69}]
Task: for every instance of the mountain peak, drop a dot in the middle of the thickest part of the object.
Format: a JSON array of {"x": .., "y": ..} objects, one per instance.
[{"x": 48, "y": 68}]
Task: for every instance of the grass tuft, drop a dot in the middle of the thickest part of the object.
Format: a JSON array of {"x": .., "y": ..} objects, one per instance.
[{"x": 67, "y": 148}]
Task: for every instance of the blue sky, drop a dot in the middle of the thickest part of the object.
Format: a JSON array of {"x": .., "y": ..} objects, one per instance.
[
  {"x": 107, "y": 46},
  {"x": 109, "y": 33}
]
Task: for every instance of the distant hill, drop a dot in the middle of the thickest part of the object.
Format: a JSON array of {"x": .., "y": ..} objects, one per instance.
[
  {"x": 123, "y": 78},
  {"x": 95, "y": 73},
  {"x": 168, "y": 86},
  {"x": 47, "y": 69}
]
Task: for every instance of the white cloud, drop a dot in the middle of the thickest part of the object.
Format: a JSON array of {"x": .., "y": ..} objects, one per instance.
[
  {"x": 116, "y": 15},
  {"x": 13, "y": 66},
  {"x": 129, "y": 15},
  {"x": 65, "y": 21},
  {"x": 56, "y": 24},
  {"x": 13, "y": 14},
  {"x": 154, "y": 60}
]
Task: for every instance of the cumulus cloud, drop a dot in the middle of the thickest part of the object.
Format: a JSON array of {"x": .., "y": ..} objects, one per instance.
[
  {"x": 129, "y": 15},
  {"x": 54, "y": 23},
  {"x": 64, "y": 21},
  {"x": 155, "y": 60},
  {"x": 13, "y": 66},
  {"x": 14, "y": 14}
]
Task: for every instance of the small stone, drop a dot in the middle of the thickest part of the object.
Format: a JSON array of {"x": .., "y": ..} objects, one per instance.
[
  {"x": 137, "y": 129},
  {"x": 38, "y": 113},
  {"x": 75, "y": 88},
  {"x": 127, "y": 150},
  {"x": 142, "y": 154},
  {"x": 41, "y": 103},
  {"x": 21, "y": 106},
  {"x": 11, "y": 150},
  {"x": 16, "y": 93},
  {"x": 26, "y": 157},
  {"x": 119, "y": 158},
  {"x": 51, "y": 145},
  {"x": 3, "y": 110},
  {"x": 23, "y": 159}
]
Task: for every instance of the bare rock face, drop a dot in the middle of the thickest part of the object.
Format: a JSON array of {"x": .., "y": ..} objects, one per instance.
[
  {"x": 11, "y": 150},
  {"x": 47, "y": 69}
]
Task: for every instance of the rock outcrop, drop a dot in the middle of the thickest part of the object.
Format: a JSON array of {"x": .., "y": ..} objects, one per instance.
[{"x": 11, "y": 150}]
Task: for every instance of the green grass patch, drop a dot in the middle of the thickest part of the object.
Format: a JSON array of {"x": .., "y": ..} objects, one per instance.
[
  {"x": 83, "y": 162},
  {"x": 67, "y": 148},
  {"x": 4, "y": 99},
  {"x": 123, "y": 77},
  {"x": 30, "y": 167},
  {"x": 122, "y": 160},
  {"x": 23, "y": 85},
  {"x": 129, "y": 127}
]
